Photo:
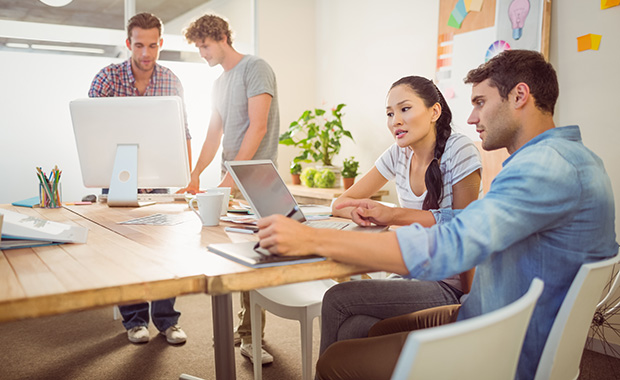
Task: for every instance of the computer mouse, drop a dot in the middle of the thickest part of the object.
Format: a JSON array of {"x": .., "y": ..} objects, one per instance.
[{"x": 90, "y": 198}]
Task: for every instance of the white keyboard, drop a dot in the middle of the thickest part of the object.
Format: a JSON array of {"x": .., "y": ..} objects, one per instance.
[{"x": 155, "y": 220}]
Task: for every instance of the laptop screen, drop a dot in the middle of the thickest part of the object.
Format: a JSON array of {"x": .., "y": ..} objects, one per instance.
[{"x": 263, "y": 188}]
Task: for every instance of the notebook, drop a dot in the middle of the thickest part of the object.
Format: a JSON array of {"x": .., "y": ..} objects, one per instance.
[
  {"x": 265, "y": 190},
  {"x": 244, "y": 253}
]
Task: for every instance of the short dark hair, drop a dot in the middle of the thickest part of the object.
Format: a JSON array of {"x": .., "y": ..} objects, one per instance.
[
  {"x": 511, "y": 67},
  {"x": 208, "y": 26},
  {"x": 144, "y": 20}
]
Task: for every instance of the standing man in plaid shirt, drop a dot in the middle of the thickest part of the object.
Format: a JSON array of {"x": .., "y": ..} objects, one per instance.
[{"x": 140, "y": 75}]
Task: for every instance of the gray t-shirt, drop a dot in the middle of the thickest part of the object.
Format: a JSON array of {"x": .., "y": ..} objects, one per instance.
[{"x": 252, "y": 76}]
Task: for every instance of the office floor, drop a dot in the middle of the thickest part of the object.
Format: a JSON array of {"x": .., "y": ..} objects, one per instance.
[{"x": 91, "y": 345}]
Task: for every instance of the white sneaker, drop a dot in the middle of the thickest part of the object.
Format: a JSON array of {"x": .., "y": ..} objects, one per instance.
[
  {"x": 246, "y": 350},
  {"x": 138, "y": 334},
  {"x": 174, "y": 335}
]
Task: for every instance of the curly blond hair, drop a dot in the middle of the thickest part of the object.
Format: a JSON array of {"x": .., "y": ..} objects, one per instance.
[{"x": 208, "y": 26}]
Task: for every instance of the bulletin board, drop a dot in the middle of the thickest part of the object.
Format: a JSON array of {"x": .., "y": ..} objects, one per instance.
[{"x": 470, "y": 32}]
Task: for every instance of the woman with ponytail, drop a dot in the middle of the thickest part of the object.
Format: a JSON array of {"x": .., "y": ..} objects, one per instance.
[{"x": 433, "y": 168}]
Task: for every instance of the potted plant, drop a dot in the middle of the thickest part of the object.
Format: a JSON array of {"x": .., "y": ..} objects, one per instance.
[
  {"x": 316, "y": 135},
  {"x": 295, "y": 170},
  {"x": 349, "y": 171}
]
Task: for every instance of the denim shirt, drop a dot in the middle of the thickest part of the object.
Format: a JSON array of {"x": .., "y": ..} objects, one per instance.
[{"x": 548, "y": 211}]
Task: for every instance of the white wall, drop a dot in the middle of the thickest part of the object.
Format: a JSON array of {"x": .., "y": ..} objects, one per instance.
[
  {"x": 286, "y": 40},
  {"x": 362, "y": 48}
]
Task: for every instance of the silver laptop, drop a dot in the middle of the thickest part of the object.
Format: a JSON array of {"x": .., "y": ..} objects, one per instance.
[{"x": 265, "y": 190}]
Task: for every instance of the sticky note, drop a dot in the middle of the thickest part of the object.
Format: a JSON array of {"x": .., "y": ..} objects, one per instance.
[
  {"x": 588, "y": 42},
  {"x": 452, "y": 21},
  {"x": 460, "y": 6},
  {"x": 476, "y": 5},
  {"x": 609, "y": 3}
]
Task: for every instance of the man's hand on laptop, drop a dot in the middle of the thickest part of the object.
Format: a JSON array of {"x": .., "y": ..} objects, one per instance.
[
  {"x": 285, "y": 236},
  {"x": 367, "y": 212}
]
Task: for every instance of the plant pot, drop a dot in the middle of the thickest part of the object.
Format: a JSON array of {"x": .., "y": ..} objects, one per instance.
[
  {"x": 348, "y": 182},
  {"x": 296, "y": 180},
  {"x": 334, "y": 169}
]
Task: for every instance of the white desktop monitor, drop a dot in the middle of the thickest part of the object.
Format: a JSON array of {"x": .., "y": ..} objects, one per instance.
[{"x": 126, "y": 143}]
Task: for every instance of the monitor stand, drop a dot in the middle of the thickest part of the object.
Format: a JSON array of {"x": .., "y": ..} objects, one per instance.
[{"x": 124, "y": 182}]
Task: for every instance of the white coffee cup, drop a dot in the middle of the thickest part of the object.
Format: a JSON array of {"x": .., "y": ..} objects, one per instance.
[
  {"x": 209, "y": 207},
  {"x": 226, "y": 192}
]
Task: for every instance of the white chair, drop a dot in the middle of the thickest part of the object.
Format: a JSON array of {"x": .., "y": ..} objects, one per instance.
[
  {"x": 483, "y": 347},
  {"x": 300, "y": 301},
  {"x": 561, "y": 356}
]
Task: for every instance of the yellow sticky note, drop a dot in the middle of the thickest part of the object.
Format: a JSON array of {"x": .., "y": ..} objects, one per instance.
[
  {"x": 476, "y": 5},
  {"x": 596, "y": 41},
  {"x": 467, "y": 5},
  {"x": 588, "y": 42},
  {"x": 609, "y": 3}
]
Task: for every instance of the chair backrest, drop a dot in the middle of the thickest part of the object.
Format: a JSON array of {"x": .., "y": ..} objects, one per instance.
[
  {"x": 562, "y": 353},
  {"x": 483, "y": 347}
]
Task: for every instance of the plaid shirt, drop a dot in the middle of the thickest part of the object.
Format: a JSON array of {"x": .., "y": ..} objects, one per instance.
[{"x": 117, "y": 80}]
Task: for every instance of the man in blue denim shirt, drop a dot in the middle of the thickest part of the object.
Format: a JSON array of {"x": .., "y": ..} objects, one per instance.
[{"x": 548, "y": 211}]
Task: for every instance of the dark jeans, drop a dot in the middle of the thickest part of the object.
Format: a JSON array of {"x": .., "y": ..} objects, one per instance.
[{"x": 162, "y": 311}]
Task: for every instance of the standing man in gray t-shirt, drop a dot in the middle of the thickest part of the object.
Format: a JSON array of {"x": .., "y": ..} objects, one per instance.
[
  {"x": 245, "y": 112},
  {"x": 245, "y": 102}
]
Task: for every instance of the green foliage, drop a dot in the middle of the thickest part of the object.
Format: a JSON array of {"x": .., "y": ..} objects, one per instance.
[
  {"x": 320, "y": 140},
  {"x": 295, "y": 167},
  {"x": 349, "y": 167},
  {"x": 307, "y": 176},
  {"x": 324, "y": 178}
]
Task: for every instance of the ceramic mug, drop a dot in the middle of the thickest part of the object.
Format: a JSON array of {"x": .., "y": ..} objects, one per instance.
[
  {"x": 209, "y": 207},
  {"x": 226, "y": 192}
]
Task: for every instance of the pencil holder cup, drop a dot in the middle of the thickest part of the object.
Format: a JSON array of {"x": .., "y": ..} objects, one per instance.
[
  {"x": 53, "y": 201},
  {"x": 50, "y": 189}
]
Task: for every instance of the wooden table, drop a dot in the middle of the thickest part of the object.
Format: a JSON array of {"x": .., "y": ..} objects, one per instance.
[
  {"x": 321, "y": 196},
  {"x": 130, "y": 263}
]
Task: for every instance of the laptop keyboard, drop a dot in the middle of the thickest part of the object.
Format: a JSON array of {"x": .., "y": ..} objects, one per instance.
[{"x": 331, "y": 224}]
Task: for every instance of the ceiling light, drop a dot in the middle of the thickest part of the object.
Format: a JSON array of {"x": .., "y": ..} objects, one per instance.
[
  {"x": 56, "y": 3},
  {"x": 72, "y": 49}
]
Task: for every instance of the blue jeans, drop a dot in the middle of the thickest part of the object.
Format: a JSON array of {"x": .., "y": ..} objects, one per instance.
[
  {"x": 351, "y": 308},
  {"x": 162, "y": 311}
]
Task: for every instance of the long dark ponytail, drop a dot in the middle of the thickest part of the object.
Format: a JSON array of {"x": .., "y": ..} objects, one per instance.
[{"x": 430, "y": 94}]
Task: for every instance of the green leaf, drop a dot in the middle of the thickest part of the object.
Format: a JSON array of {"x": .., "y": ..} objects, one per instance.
[{"x": 287, "y": 141}]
